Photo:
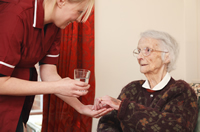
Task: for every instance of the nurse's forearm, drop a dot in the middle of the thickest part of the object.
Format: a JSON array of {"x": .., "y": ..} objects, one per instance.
[
  {"x": 74, "y": 102},
  {"x": 14, "y": 86},
  {"x": 19, "y": 87}
]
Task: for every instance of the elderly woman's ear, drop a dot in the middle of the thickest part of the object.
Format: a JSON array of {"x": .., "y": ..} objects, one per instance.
[{"x": 166, "y": 58}]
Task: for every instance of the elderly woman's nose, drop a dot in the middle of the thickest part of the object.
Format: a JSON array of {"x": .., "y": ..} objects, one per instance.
[{"x": 140, "y": 55}]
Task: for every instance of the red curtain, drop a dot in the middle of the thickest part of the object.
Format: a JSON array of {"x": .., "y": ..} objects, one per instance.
[{"x": 77, "y": 51}]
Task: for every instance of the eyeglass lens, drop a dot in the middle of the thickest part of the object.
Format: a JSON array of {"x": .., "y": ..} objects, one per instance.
[{"x": 146, "y": 51}]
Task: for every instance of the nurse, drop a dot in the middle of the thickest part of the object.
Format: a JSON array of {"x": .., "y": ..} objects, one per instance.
[{"x": 30, "y": 33}]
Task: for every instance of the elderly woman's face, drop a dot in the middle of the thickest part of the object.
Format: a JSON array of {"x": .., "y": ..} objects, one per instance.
[{"x": 153, "y": 63}]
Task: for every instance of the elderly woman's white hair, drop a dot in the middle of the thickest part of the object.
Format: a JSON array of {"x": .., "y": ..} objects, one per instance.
[{"x": 167, "y": 43}]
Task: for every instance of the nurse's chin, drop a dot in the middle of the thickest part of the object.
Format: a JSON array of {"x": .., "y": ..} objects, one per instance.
[{"x": 62, "y": 27}]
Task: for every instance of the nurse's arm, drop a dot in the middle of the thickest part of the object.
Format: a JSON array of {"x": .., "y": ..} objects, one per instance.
[
  {"x": 52, "y": 84},
  {"x": 49, "y": 73},
  {"x": 19, "y": 87}
]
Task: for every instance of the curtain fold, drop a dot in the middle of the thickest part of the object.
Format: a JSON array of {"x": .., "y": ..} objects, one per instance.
[{"x": 77, "y": 51}]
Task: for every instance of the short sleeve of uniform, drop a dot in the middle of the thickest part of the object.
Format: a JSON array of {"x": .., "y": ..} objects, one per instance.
[
  {"x": 11, "y": 34},
  {"x": 53, "y": 53}
]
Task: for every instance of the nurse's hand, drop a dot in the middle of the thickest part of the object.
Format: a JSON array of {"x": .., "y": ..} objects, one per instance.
[
  {"x": 72, "y": 88},
  {"x": 88, "y": 111}
]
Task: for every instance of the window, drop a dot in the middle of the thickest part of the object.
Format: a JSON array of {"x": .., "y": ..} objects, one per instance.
[
  {"x": 37, "y": 104},
  {"x": 38, "y": 101}
]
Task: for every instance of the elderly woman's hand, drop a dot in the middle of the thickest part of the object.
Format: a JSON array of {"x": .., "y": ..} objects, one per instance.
[{"x": 106, "y": 102}]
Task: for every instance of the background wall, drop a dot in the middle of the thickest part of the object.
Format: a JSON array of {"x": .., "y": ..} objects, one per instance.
[{"x": 118, "y": 24}]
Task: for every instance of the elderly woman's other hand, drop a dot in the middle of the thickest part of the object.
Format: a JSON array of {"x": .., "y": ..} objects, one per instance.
[{"x": 107, "y": 102}]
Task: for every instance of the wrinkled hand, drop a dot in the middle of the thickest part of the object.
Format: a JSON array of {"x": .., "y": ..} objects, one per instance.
[
  {"x": 106, "y": 102},
  {"x": 72, "y": 88},
  {"x": 89, "y": 111}
]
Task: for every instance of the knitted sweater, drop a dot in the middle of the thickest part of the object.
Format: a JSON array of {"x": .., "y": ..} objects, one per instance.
[{"x": 172, "y": 109}]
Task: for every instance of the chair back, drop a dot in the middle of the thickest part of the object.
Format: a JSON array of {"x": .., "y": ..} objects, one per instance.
[{"x": 196, "y": 87}]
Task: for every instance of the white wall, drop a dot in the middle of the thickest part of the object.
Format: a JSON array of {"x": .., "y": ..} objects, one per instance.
[
  {"x": 192, "y": 39},
  {"x": 118, "y": 24}
]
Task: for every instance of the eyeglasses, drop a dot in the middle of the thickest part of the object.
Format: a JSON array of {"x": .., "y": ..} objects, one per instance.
[{"x": 146, "y": 51}]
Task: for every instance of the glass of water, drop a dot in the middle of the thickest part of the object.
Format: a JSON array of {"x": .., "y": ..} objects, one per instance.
[{"x": 82, "y": 75}]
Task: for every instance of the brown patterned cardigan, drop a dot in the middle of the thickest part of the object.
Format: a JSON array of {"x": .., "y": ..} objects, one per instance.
[{"x": 172, "y": 109}]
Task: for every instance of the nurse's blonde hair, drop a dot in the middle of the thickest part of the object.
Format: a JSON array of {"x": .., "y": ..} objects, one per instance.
[{"x": 85, "y": 14}]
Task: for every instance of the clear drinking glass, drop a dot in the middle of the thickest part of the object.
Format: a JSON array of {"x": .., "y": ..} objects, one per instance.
[{"x": 82, "y": 75}]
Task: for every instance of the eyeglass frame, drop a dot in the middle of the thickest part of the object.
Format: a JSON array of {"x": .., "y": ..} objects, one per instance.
[{"x": 144, "y": 54}]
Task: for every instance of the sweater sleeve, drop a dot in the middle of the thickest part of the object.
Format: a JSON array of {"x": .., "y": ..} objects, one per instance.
[
  {"x": 109, "y": 123},
  {"x": 175, "y": 111}
]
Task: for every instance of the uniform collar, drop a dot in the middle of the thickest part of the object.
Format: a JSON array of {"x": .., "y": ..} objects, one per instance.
[
  {"x": 38, "y": 20},
  {"x": 160, "y": 85}
]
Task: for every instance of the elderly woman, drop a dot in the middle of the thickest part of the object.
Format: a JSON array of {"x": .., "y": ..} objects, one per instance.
[{"x": 158, "y": 103}]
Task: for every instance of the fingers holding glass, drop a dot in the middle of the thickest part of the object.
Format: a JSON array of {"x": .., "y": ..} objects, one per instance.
[{"x": 71, "y": 87}]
